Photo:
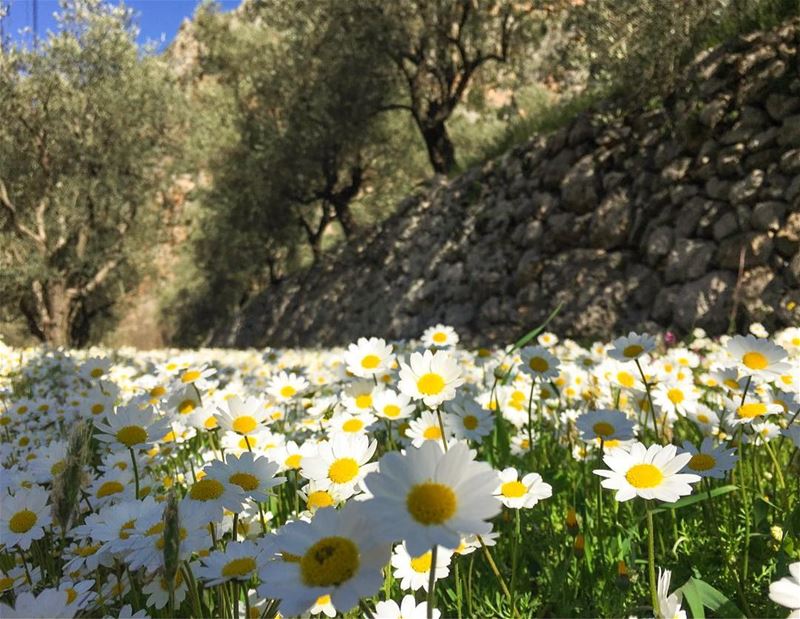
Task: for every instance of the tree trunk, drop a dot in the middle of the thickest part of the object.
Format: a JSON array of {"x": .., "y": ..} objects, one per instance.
[
  {"x": 441, "y": 151},
  {"x": 56, "y": 325}
]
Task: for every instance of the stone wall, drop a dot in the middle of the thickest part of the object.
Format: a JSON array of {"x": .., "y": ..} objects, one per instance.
[{"x": 668, "y": 217}]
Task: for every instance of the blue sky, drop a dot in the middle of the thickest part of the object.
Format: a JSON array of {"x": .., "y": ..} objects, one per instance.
[{"x": 156, "y": 18}]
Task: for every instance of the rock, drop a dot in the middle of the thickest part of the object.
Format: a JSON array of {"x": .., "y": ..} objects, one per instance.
[
  {"x": 528, "y": 234},
  {"x": 658, "y": 244},
  {"x": 768, "y": 216},
  {"x": 714, "y": 111},
  {"x": 579, "y": 187},
  {"x": 718, "y": 189},
  {"x": 790, "y": 131},
  {"x": 757, "y": 248},
  {"x": 725, "y": 226},
  {"x": 676, "y": 170},
  {"x": 688, "y": 260},
  {"x": 780, "y": 106},
  {"x": 746, "y": 189},
  {"x": 611, "y": 221},
  {"x": 705, "y": 303},
  {"x": 790, "y": 161}
]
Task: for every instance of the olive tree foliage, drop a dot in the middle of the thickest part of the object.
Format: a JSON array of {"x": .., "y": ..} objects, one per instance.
[
  {"x": 86, "y": 124},
  {"x": 438, "y": 47},
  {"x": 303, "y": 136}
]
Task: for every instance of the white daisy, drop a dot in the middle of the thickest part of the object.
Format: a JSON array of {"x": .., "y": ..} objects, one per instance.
[
  {"x": 414, "y": 572},
  {"x": 786, "y": 591},
  {"x": 649, "y": 472},
  {"x": 255, "y": 475},
  {"x": 132, "y": 427},
  {"x": 538, "y": 362},
  {"x": 285, "y": 387},
  {"x": 430, "y": 377},
  {"x": 439, "y": 336},
  {"x": 527, "y": 492},
  {"x": 757, "y": 357},
  {"x": 368, "y": 357},
  {"x": 24, "y": 517},
  {"x": 239, "y": 561},
  {"x": 341, "y": 463},
  {"x": 710, "y": 461},
  {"x": 632, "y": 346},
  {"x": 389, "y": 404}
]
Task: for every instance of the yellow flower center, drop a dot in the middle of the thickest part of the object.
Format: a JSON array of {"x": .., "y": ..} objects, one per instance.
[
  {"x": 186, "y": 407},
  {"x": 190, "y": 376},
  {"x": 245, "y": 481},
  {"x": 439, "y": 337},
  {"x": 755, "y": 360},
  {"x": 6, "y": 583},
  {"x": 343, "y": 470},
  {"x": 329, "y": 562},
  {"x": 644, "y": 476},
  {"x": 97, "y": 409},
  {"x": 131, "y": 435},
  {"x": 432, "y": 433},
  {"x": 430, "y": 384},
  {"x": 318, "y": 499},
  {"x": 370, "y": 362},
  {"x": 626, "y": 379},
  {"x": 123, "y": 530},
  {"x": 513, "y": 489},
  {"x": 632, "y": 350},
  {"x": 244, "y": 424},
  {"x": 206, "y": 490},
  {"x": 751, "y": 410},
  {"x": 87, "y": 551},
  {"x": 210, "y": 423},
  {"x": 675, "y": 396},
  {"x": 96, "y": 372},
  {"x": 431, "y": 503},
  {"x": 288, "y": 391},
  {"x": 422, "y": 563},
  {"x": 323, "y": 600},
  {"x": 22, "y": 521},
  {"x": 239, "y": 568},
  {"x": 71, "y": 595},
  {"x": 470, "y": 422},
  {"x": 702, "y": 462},
  {"x": 391, "y": 410},
  {"x": 247, "y": 442},
  {"x": 157, "y": 391},
  {"x": 352, "y": 425},
  {"x": 109, "y": 488},
  {"x": 602, "y": 428},
  {"x": 58, "y": 468},
  {"x": 538, "y": 364},
  {"x": 293, "y": 462},
  {"x": 364, "y": 401}
]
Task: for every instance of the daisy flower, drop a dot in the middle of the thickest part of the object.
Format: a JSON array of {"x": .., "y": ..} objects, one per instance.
[
  {"x": 244, "y": 416},
  {"x": 289, "y": 457},
  {"x": 527, "y": 492},
  {"x": 439, "y": 336},
  {"x": 675, "y": 397},
  {"x": 334, "y": 554},
  {"x": 427, "y": 497},
  {"x": 757, "y": 357},
  {"x": 157, "y": 590},
  {"x": 213, "y": 495},
  {"x": 255, "y": 475},
  {"x": 389, "y": 404},
  {"x": 408, "y": 609},
  {"x": 414, "y": 572},
  {"x": 48, "y": 604},
  {"x": 368, "y": 357},
  {"x": 786, "y": 591},
  {"x": 749, "y": 412},
  {"x": 426, "y": 428},
  {"x": 538, "y": 362},
  {"x": 710, "y": 461},
  {"x": 631, "y": 347},
  {"x": 605, "y": 425},
  {"x": 324, "y": 606},
  {"x": 649, "y": 472},
  {"x": 430, "y": 377},
  {"x": 468, "y": 420},
  {"x": 239, "y": 561},
  {"x": 113, "y": 486},
  {"x": 357, "y": 396},
  {"x": 131, "y": 427},
  {"x": 24, "y": 517},
  {"x": 198, "y": 375},
  {"x": 341, "y": 463},
  {"x": 350, "y": 425},
  {"x": 669, "y": 605},
  {"x": 284, "y": 387}
]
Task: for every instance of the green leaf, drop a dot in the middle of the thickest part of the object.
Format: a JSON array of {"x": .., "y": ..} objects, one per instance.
[
  {"x": 533, "y": 333},
  {"x": 696, "y": 498},
  {"x": 699, "y": 595}
]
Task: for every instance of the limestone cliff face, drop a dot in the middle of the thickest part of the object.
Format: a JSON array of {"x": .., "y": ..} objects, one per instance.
[{"x": 669, "y": 217}]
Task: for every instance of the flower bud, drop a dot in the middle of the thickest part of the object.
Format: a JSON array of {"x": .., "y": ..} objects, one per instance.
[
  {"x": 172, "y": 538},
  {"x": 572, "y": 522},
  {"x": 623, "y": 578},
  {"x": 579, "y": 545}
]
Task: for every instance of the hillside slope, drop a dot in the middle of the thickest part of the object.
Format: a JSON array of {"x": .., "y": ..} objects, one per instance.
[{"x": 631, "y": 223}]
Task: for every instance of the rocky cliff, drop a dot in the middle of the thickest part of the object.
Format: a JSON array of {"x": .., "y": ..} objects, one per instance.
[{"x": 681, "y": 216}]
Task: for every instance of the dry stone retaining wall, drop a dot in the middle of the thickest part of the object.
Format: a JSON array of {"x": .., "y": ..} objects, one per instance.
[{"x": 640, "y": 222}]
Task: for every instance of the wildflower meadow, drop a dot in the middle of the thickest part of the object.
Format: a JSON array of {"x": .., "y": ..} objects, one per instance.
[{"x": 640, "y": 477}]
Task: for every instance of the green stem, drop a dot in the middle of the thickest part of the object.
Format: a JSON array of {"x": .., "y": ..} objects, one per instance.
[
  {"x": 649, "y": 398},
  {"x": 432, "y": 580},
  {"x": 135, "y": 471},
  {"x": 651, "y": 560}
]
